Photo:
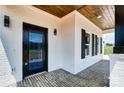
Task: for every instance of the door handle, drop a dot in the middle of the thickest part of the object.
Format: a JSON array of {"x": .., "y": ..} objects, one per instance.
[{"x": 26, "y": 63}]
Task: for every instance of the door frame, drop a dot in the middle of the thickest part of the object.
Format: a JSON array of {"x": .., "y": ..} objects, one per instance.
[{"x": 46, "y": 49}]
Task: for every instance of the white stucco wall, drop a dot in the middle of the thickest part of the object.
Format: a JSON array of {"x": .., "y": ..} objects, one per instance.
[{"x": 12, "y": 36}]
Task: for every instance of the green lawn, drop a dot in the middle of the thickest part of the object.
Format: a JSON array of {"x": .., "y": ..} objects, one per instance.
[{"x": 108, "y": 50}]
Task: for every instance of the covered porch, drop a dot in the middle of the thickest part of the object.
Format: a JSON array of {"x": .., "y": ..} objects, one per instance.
[
  {"x": 74, "y": 44},
  {"x": 96, "y": 75}
]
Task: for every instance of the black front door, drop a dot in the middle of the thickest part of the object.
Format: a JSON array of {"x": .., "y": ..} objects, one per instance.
[{"x": 34, "y": 49}]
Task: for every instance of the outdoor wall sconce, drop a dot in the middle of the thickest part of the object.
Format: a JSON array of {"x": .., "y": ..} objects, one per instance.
[
  {"x": 55, "y": 32},
  {"x": 6, "y": 21}
]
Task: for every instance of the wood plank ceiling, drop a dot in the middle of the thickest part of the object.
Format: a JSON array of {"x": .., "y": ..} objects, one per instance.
[{"x": 102, "y": 16}]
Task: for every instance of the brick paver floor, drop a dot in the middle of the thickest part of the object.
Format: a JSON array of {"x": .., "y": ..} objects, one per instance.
[{"x": 96, "y": 75}]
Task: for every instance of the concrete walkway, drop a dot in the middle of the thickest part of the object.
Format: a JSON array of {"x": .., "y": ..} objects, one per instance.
[
  {"x": 117, "y": 70},
  {"x": 94, "y": 76}
]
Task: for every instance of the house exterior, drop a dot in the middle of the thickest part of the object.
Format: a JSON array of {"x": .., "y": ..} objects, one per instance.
[{"x": 64, "y": 39}]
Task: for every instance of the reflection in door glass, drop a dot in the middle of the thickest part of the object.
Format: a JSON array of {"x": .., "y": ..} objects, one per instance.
[{"x": 35, "y": 50}]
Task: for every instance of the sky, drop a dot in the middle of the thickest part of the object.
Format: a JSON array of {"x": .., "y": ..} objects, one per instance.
[{"x": 109, "y": 38}]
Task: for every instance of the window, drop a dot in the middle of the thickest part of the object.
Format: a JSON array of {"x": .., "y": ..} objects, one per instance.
[
  {"x": 82, "y": 43},
  {"x": 87, "y": 44},
  {"x": 100, "y": 45},
  {"x": 97, "y": 45},
  {"x": 93, "y": 47}
]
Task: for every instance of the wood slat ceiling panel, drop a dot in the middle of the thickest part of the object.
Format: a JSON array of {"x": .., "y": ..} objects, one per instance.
[
  {"x": 92, "y": 12},
  {"x": 58, "y": 10}
]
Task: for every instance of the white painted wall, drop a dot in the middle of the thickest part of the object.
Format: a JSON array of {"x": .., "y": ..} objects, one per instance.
[
  {"x": 6, "y": 77},
  {"x": 68, "y": 41},
  {"x": 83, "y": 23},
  {"x": 71, "y": 25},
  {"x": 12, "y": 36}
]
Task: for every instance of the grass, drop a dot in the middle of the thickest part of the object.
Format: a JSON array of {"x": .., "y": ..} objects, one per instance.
[{"x": 108, "y": 50}]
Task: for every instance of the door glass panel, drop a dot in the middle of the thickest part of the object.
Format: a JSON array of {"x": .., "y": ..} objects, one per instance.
[{"x": 35, "y": 50}]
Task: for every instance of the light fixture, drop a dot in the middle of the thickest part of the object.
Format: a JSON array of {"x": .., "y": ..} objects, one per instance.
[
  {"x": 99, "y": 16},
  {"x": 55, "y": 32},
  {"x": 6, "y": 21}
]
